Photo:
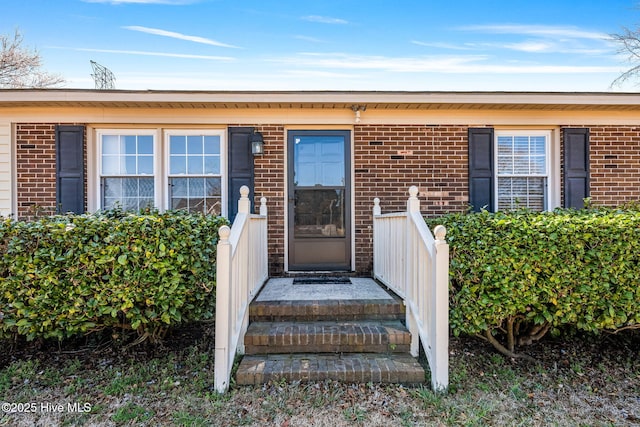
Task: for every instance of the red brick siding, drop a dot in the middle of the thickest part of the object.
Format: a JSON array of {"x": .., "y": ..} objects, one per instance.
[
  {"x": 614, "y": 164},
  {"x": 270, "y": 177},
  {"x": 36, "y": 169},
  {"x": 388, "y": 159},
  {"x": 435, "y": 159}
]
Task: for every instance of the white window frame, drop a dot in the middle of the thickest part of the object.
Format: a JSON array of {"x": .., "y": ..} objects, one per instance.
[
  {"x": 223, "y": 162},
  {"x": 552, "y": 164},
  {"x": 160, "y": 162},
  {"x": 126, "y": 132}
]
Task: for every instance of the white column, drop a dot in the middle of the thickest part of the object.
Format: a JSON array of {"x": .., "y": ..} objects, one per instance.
[
  {"x": 222, "y": 367},
  {"x": 413, "y": 205},
  {"x": 244, "y": 204},
  {"x": 439, "y": 323}
]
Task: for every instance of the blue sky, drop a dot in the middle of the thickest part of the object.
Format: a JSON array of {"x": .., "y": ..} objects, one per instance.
[{"x": 428, "y": 45}]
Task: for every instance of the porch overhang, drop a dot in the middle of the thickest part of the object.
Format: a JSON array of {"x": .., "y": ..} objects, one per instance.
[{"x": 225, "y": 100}]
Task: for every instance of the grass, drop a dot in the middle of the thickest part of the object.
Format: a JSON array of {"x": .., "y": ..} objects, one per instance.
[{"x": 585, "y": 381}]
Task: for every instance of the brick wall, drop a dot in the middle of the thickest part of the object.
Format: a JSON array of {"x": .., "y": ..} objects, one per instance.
[
  {"x": 391, "y": 158},
  {"x": 269, "y": 181},
  {"x": 387, "y": 160},
  {"x": 615, "y": 164},
  {"x": 36, "y": 169}
]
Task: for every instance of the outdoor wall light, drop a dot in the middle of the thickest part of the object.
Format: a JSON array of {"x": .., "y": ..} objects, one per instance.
[
  {"x": 357, "y": 109},
  {"x": 257, "y": 144}
]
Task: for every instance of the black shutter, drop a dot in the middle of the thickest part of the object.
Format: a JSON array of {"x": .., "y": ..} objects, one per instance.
[
  {"x": 576, "y": 167},
  {"x": 70, "y": 169},
  {"x": 240, "y": 167},
  {"x": 481, "y": 194}
]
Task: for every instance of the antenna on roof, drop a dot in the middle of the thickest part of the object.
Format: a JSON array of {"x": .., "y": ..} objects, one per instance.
[{"x": 102, "y": 76}]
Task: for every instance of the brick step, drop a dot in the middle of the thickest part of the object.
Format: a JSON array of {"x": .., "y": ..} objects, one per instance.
[
  {"x": 327, "y": 337},
  {"x": 348, "y": 368},
  {"x": 325, "y": 310}
]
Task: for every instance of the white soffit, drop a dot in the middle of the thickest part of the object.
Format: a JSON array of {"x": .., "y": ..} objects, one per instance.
[{"x": 319, "y": 100}]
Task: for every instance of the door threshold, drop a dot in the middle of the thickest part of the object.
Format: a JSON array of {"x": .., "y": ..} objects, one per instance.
[{"x": 328, "y": 273}]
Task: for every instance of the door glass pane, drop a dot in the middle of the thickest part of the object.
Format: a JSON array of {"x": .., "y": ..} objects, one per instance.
[
  {"x": 319, "y": 213},
  {"x": 319, "y": 171},
  {"x": 319, "y": 161}
]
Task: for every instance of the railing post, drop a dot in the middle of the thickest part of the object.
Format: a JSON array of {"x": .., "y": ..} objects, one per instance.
[
  {"x": 244, "y": 204},
  {"x": 439, "y": 323},
  {"x": 377, "y": 259},
  {"x": 420, "y": 273},
  {"x": 264, "y": 235},
  {"x": 377, "y": 211},
  {"x": 413, "y": 205},
  {"x": 223, "y": 313},
  {"x": 263, "y": 206}
]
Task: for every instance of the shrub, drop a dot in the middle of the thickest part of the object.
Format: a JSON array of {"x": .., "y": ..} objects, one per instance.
[
  {"x": 515, "y": 276},
  {"x": 63, "y": 276}
]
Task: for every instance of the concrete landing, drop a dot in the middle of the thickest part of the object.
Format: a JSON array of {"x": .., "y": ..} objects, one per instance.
[{"x": 353, "y": 288}]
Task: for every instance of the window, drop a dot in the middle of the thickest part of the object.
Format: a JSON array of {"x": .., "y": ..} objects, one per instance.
[
  {"x": 177, "y": 169},
  {"x": 195, "y": 181},
  {"x": 522, "y": 170},
  {"x": 127, "y": 171}
]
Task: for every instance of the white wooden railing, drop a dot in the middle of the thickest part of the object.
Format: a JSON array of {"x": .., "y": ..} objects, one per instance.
[
  {"x": 415, "y": 265},
  {"x": 242, "y": 269}
]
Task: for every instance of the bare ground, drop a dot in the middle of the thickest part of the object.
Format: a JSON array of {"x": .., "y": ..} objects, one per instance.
[{"x": 584, "y": 380}]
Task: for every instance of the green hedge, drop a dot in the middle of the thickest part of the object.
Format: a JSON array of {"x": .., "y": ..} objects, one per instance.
[
  {"x": 515, "y": 276},
  {"x": 64, "y": 276}
]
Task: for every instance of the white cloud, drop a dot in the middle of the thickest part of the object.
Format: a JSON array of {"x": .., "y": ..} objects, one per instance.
[
  {"x": 534, "y": 39},
  {"x": 382, "y": 63},
  {"x": 464, "y": 64},
  {"x": 164, "y": 54},
  {"x": 538, "y": 30},
  {"x": 325, "y": 19},
  {"x": 441, "y": 45},
  {"x": 531, "y": 46},
  {"x": 540, "y": 45},
  {"x": 548, "y": 46},
  {"x": 179, "y": 36},
  {"x": 309, "y": 39}
]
